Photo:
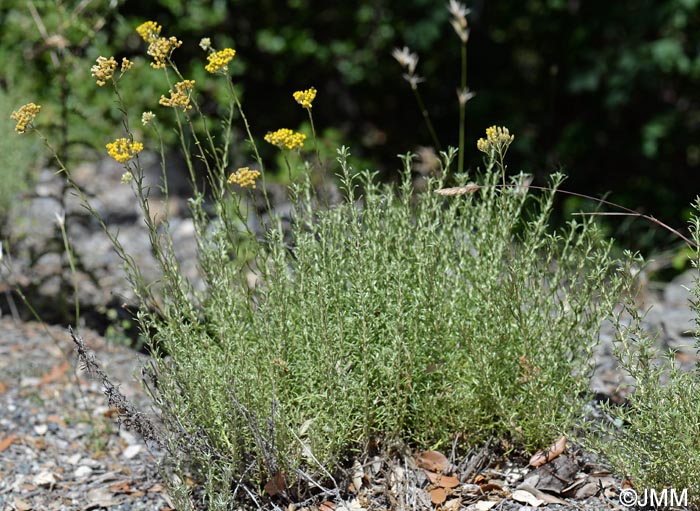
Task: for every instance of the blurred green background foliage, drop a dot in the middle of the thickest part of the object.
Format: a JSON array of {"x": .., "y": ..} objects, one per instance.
[{"x": 605, "y": 91}]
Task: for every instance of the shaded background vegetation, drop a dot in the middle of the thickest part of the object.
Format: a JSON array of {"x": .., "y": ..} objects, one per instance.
[{"x": 605, "y": 91}]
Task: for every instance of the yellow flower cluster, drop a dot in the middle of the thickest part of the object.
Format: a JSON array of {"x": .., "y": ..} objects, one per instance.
[
  {"x": 180, "y": 98},
  {"x": 104, "y": 70},
  {"x": 244, "y": 177},
  {"x": 126, "y": 65},
  {"x": 123, "y": 150},
  {"x": 24, "y": 116},
  {"x": 305, "y": 97},
  {"x": 220, "y": 59},
  {"x": 159, "y": 48},
  {"x": 285, "y": 138},
  {"x": 149, "y": 31},
  {"x": 497, "y": 139}
]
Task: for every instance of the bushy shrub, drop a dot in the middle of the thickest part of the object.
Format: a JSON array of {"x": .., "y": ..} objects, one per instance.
[
  {"x": 654, "y": 439},
  {"x": 392, "y": 316}
]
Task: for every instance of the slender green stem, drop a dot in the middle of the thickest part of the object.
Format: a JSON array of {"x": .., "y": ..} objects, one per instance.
[
  {"x": 71, "y": 263},
  {"x": 289, "y": 167},
  {"x": 258, "y": 159},
  {"x": 313, "y": 132},
  {"x": 462, "y": 111},
  {"x": 426, "y": 117}
]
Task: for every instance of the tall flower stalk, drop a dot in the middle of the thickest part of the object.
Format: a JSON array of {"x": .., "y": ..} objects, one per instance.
[{"x": 460, "y": 25}]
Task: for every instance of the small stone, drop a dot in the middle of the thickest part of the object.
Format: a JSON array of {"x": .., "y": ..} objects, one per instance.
[
  {"x": 82, "y": 471},
  {"x": 74, "y": 460},
  {"x": 45, "y": 479},
  {"x": 22, "y": 505},
  {"x": 41, "y": 429},
  {"x": 131, "y": 451}
]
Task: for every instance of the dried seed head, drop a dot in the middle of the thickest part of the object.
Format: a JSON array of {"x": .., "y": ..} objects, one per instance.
[{"x": 459, "y": 190}]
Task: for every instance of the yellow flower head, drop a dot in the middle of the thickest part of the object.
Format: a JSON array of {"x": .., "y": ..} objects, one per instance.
[
  {"x": 244, "y": 177},
  {"x": 159, "y": 48},
  {"x": 220, "y": 59},
  {"x": 24, "y": 116},
  {"x": 497, "y": 140},
  {"x": 126, "y": 65},
  {"x": 104, "y": 70},
  {"x": 181, "y": 97},
  {"x": 123, "y": 149},
  {"x": 305, "y": 97},
  {"x": 149, "y": 31},
  {"x": 285, "y": 138}
]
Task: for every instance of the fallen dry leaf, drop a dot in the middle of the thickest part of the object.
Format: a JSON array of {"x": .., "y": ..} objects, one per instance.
[
  {"x": 442, "y": 480},
  {"x": 276, "y": 485},
  {"x": 542, "y": 457},
  {"x": 526, "y": 498},
  {"x": 543, "y": 496},
  {"x": 484, "y": 505},
  {"x": 120, "y": 487},
  {"x": 433, "y": 461},
  {"x": 56, "y": 420},
  {"x": 357, "y": 475},
  {"x": 489, "y": 487},
  {"x": 326, "y": 506},
  {"x": 111, "y": 412},
  {"x": 3, "y": 387},
  {"x": 56, "y": 373},
  {"x": 7, "y": 442},
  {"x": 438, "y": 496}
]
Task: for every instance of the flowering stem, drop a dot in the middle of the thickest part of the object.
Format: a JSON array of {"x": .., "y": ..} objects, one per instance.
[
  {"x": 71, "y": 263},
  {"x": 258, "y": 159},
  {"x": 313, "y": 132},
  {"x": 462, "y": 111},
  {"x": 426, "y": 116},
  {"x": 289, "y": 167}
]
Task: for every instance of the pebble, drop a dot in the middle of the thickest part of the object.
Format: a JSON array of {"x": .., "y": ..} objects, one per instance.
[
  {"x": 82, "y": 472},
  {"x": 131, "y": 451},
  {"x": 75, "y": 459},
  {"x": 41, "y": 429},
  {"x": 45, "y": 479}
]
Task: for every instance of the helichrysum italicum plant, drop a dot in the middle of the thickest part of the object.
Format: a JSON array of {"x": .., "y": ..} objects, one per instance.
[
  {"x": 409, "y": 317},
  {"x": 495, "y": 146},
  {"x": 654, "y": 438}
]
